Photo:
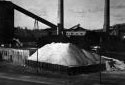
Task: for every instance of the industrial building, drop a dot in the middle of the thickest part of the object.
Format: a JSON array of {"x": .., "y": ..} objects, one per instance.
[{"x": 75, "y": 31}]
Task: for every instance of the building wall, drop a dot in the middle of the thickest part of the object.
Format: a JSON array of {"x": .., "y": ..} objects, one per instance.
[
  {"x": 75, "y": 33},
  {"x": 14, "y": 56}
]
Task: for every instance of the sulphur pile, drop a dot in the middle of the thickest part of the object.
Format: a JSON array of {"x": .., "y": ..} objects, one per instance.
[
  {"x": 68, "y": 54},
  {"x": 65, "y": 54}
]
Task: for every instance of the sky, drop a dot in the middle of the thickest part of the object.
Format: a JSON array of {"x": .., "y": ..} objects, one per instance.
[{"x": 88, "y": 13}]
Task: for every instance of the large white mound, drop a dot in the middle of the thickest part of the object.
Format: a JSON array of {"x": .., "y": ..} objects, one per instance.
[
  {"x": 65, "y": 54},
  {"x": 68, "y": 54}
]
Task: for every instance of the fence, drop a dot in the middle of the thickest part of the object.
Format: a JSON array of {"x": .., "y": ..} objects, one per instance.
[
  {"x": 65, "y": 69},
  {"x": 15, "y": 56},
  {"x": 20, "y": 57}
]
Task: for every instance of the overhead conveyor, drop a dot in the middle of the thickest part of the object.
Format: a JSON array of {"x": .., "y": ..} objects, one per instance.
[
  {"x": 7, "y": 20},
  {"x": 22, "y": 10}
]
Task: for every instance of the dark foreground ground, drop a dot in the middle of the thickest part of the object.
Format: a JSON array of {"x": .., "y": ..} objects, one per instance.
[
  {"x": 15, "y": 75},
  {"x": 6, "y": 81},
  {"x": 90, "y": 79}
]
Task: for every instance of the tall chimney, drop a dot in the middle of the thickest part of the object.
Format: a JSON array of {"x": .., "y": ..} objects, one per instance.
[
  {"x": 60, "y": 17},
  {"x": 106, "y": 16}
]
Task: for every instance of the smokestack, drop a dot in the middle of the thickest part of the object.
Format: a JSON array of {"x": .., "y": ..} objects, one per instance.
[
  {"x": 106, "y": 16},
  {"x": 60, "y": 17}
]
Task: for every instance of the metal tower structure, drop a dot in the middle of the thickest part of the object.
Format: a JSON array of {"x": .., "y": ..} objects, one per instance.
[{"x": 60, "y": 26}]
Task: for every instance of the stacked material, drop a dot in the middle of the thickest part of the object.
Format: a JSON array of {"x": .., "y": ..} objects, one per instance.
[{"x": 65, "y": 54}]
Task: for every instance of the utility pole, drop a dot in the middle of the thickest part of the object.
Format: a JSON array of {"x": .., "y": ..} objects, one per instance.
[
  {"x": 60, "y": 26},
  {"x": 106, "y": 28}
]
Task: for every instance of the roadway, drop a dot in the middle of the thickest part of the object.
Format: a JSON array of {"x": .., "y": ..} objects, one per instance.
[
  {"x": 107, "y": 78},
  {"x": 19, "y": 79},
  {"x": 10, "y": 77},
  {"x": 16, "y": 79},
  {"x": 6, "y": 81}
]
